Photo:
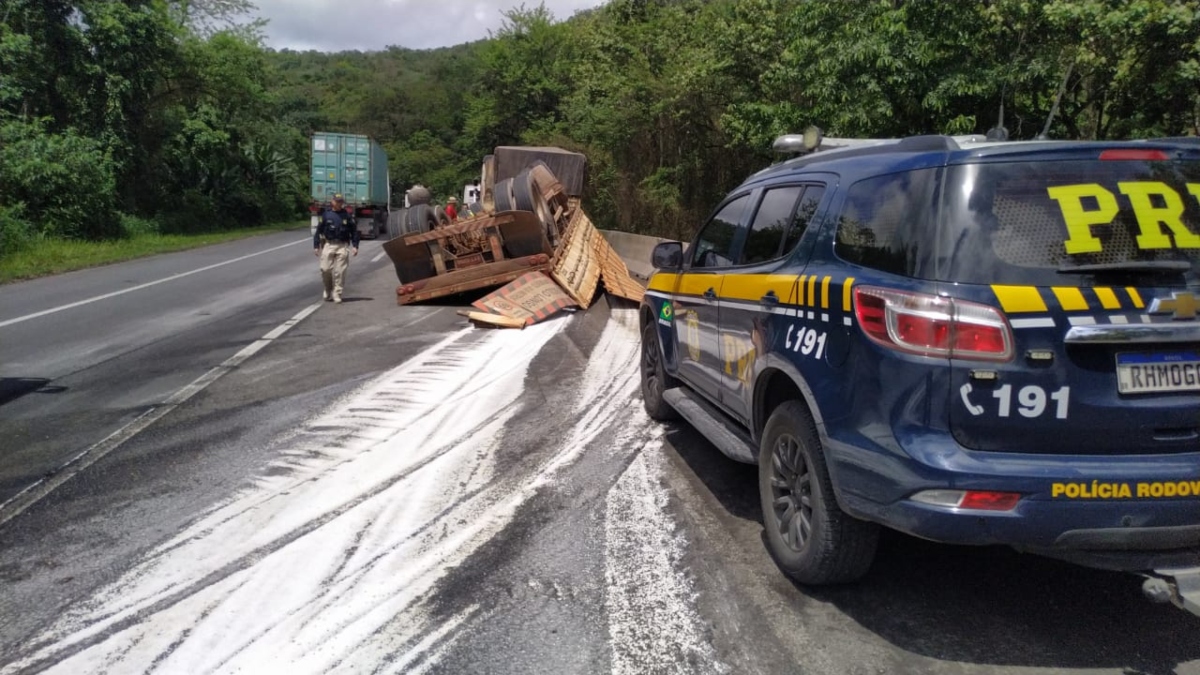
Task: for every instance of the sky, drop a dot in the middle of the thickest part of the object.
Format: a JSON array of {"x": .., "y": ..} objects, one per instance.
[{"x": 369, "y": 25}]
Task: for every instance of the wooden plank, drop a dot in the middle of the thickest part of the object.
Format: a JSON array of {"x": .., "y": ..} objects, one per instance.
[
  {"x": 439, "y": 260},
  {"x": 496, "y": 320},
  {"x": 615, "y": 274},
  {"x": 481, "y": 276},
  {"x": 531, "y": 298},
  {"x": 576, "y": 268},
  {"x": 460, "y": 228}
]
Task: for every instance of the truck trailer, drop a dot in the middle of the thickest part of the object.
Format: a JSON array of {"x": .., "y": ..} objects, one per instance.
[{"x": 355, "y": 167}]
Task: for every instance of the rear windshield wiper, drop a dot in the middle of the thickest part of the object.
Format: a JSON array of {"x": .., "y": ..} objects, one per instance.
[{"x": 1133, "y": 267}]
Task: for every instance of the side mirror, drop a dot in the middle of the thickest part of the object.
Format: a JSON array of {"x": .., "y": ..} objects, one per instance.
[{"x": 667, "y": 256}]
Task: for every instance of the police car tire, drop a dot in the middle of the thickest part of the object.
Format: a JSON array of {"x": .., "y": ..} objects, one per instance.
[
  {"x": 839, "y": 548},
  {"x": 655, "y": 379}
]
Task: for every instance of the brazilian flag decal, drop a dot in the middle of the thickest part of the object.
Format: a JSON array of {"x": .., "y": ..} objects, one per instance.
[{"x": 667, "y": 312}]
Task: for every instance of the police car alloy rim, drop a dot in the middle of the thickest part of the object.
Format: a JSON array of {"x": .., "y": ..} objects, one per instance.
[
  {"x": 650, "y": 368},
  {"x": 791, "y": 493}
]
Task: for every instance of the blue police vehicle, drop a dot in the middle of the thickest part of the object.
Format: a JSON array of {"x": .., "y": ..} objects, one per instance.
[{"x": 968, "y": 341}]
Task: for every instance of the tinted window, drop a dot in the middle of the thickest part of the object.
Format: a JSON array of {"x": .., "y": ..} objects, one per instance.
[
  {"x": 714, "y": 246},
  {"x": 774, "y": 216},
  {"x": 1023, "y": 222},
  {"x": 887, "y": 222},
  {"x": 804, "y": 215}
]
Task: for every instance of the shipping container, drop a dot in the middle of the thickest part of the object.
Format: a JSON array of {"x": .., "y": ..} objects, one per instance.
[
  {"x": 354, "y": 166},
  {"x": 357, "y": 168}
]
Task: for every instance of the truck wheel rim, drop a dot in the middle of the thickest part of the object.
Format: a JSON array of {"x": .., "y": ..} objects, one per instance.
[{"x": 791, "y": 493}]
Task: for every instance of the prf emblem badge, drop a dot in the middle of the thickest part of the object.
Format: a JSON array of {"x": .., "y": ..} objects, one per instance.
[
  {"x": 1183, "y": 306},
  {"x": 667, "y": 312}
]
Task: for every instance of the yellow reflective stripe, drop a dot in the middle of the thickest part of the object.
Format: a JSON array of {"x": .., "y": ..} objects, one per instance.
[
  {"x": 846, "y": 286},
  {"x": 662, "y": 282},
  {"x": 754, "y": 286},
  {"x": 1070, "y": 298},
  {"x": 812, "y": 291},
  {"x": 825, "y": 292},
  {"x": 803, "y": 299},
  {"x": 1135, "y": 297},
  {"x": 1108, "y": 299},
  {"x": 697, "y": 284},
  {"x": 1018, "y": 299}
]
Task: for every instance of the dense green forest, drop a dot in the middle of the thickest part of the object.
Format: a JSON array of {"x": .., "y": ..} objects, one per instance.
[{"x": 122, "y": 116}]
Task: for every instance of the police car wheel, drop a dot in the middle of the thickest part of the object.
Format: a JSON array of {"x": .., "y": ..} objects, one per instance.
[
  {"x": 654, "y": 377},
  {"x": 812, "y": 540}
]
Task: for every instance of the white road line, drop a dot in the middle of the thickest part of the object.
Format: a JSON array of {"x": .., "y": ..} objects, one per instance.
[
  {"x": 32, "y": 494},
  {"x": 379, "y": 257},
  {"x": 53, "y": 310}
]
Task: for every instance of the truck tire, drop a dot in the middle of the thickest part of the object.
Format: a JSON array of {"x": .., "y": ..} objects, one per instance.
[
  {"x": 395, "y": 223},
  {"x": 655, "y": 379},
  {"x": 503, "y": 197},
  {"x": 439, "y": 212},
  {"x": 812, "y": 540},
  {"x": 527, "y": 197},
  {"x": 419, "y": 219}
]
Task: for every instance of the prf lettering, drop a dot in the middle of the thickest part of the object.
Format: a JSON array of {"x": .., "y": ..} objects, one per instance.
[
  {"x": 739, "y": 354},
  {"x": 1105, "y": 490},
  {"x": 1155, "y": 217}
]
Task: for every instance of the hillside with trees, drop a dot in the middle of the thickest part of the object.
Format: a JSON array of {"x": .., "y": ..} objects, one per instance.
[{"x": 171, "y": 115}]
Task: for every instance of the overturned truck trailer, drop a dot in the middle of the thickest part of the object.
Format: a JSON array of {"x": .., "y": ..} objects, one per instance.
[{"x": 528, "y": 208}]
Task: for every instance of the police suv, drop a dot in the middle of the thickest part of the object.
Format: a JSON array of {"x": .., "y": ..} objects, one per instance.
[{"x": 969, "y": 341}]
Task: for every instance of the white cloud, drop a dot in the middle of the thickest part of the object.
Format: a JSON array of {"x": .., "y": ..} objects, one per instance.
[{"x": 369, "y": 25}]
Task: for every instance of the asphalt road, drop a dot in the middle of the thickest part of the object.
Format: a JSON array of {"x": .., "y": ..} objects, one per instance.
[{"x": 386, "y": 489}]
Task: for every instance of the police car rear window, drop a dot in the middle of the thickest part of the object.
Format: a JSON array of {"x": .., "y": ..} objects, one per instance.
[
  {"x": 887, "y": 222},
  {"x": 1064, "y": 222}
]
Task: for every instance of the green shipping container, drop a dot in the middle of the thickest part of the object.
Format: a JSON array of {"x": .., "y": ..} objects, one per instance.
[{"x": 352, "y": 165}]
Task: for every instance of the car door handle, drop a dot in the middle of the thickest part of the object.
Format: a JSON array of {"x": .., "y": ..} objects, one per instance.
[
  {"x": 710, "y": 294},
  {"x": 770, "y": 299}
]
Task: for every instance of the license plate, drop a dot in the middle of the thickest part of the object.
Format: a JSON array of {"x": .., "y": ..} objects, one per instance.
[{"x": 1161, "y": 372}]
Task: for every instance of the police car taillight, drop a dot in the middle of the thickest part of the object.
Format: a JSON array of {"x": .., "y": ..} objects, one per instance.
[
  {"x": 975, "y": 500},
  {"x": 930, "y": 325}
]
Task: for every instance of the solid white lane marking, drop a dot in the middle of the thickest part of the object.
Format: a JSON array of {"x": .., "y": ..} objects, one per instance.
[
  {"x": 32, "y": 494},
  {"x": 123, "y": 291},
  {"x": 379, "y": 257}
]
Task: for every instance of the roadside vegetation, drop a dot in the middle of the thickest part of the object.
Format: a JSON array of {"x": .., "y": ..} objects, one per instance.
[
  {"x": 126, "y": 117},
  {"x": 55, "y": 256}
]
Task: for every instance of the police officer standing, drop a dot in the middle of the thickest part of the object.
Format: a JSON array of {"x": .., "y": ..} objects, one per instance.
[{"x": 336, "y": 234}]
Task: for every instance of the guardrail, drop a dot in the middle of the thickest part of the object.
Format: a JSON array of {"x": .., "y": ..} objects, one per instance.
[{"x": 635, "y": 250}]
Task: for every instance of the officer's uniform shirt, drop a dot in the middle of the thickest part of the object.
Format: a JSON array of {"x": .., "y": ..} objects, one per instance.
[{"x": 336, "y": 226}]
